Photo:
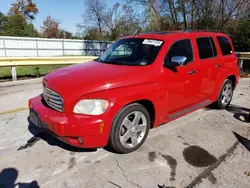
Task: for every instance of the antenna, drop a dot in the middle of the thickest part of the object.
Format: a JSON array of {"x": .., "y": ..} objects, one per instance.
[{"x": 136, "y": 32}]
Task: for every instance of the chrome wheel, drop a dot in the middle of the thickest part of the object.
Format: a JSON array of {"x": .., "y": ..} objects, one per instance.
[
  {"x": 133, "y": 129},
  {"x": 226, "y": 94}
]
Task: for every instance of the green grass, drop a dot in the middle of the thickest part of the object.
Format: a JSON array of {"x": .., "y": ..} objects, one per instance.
[{"x": 28, "y": 71}]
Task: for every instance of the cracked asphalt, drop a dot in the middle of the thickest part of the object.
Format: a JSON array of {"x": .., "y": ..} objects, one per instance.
[{"x": 197, "y": 150}]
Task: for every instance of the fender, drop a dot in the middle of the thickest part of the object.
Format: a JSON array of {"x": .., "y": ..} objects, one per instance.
[
  {"x": 222, "y": 76},
  {"x": 120, "y": 97}
]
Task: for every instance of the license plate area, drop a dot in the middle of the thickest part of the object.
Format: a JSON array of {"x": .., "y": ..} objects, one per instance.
[{"x": 34, "y": 118}]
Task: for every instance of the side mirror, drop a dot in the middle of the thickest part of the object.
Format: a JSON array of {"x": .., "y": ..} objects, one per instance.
[{"x": 178, "y": 60}]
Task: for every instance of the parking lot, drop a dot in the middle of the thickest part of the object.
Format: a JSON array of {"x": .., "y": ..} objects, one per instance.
[{"x": 198, "y": 150}]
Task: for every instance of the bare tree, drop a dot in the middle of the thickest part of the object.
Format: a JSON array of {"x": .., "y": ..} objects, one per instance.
[
  {"x": 159, "y": 15},
  {"x": 94, "y": 13},
  {"x": 213, "y": 14},
  {"x": 153, "y": 13},
  {"x": 183, "y": 9},
  {"x": 232, "y": 9},
  {"x": 129, "y": 21},
  {"x": 111, "y": 20},
  {"x": 173, "y": 12},
  {"x": 108, "y": 23},
  {"x": 121, "y": 21}
]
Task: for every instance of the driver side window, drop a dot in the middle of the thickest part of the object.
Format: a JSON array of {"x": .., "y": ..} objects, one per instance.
[{"x": 180, "y": 48}]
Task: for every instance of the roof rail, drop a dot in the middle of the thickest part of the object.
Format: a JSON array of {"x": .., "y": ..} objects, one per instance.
[
  {"x": 162, "y": 32},
  {"x": 155, "y": 32},
  {"x": 200, "y": 30},
  {"x": 178, "y": 31}
]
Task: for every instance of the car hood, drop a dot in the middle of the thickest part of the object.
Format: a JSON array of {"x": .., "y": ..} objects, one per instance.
[{"x": 77, "y": 80}]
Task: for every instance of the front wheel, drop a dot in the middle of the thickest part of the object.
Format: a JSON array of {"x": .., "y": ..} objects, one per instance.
[
  {"x": 129, "y": 128},
  {"x": 226, "y": 95}
]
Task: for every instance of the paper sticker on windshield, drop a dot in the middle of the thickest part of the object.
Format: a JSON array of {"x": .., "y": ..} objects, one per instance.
[{"x": 152, "y": 42}]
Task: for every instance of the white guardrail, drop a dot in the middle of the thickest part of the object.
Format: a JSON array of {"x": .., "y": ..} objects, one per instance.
[
  {"x": 242, "y": 56},
  {"x": 68, "y": 60},
  {"x": 35, "y": 61},
  {"x": 27, "y": 61}
]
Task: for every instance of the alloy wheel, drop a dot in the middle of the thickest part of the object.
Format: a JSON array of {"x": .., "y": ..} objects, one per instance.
[
  {"x": 133, "y": 129},
  {"x": 226, "y": 94}
]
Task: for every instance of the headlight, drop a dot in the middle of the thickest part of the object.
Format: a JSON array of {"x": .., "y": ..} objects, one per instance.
[{"x": 91, "y": 106}]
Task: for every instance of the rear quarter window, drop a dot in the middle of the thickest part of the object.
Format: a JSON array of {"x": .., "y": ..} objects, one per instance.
[{"x": 225, "y": 45}]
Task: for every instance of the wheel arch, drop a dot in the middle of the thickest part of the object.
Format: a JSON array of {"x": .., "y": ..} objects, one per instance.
[
  {"x": 148, "y": 104},
  {"x": 233, "y": 79},
  {"x": 218, "y": 87}
]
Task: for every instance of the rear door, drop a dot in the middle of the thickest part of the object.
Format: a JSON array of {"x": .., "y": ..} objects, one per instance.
[
  {"x": 228, "y": 64},
  {"x": 207, "y": 63}
]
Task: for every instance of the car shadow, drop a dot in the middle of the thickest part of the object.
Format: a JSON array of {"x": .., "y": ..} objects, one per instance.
[
  {"x": 8, "y": 177},
  {"x": 244, "y": 141},
  {"x": 40, "y": 133},
  {"x": 211, "y": 107},
  {"x": 240, "y": 113},
  {"x": 109, "y": 149}
]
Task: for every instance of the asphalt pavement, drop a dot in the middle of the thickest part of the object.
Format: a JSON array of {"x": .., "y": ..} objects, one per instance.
[{"x": 198, "y": 150}]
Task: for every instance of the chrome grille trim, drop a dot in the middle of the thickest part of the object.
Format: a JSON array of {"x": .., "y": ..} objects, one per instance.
[
  {"x": 53, "y": 99},
  {"x": 56, "y": 102}
]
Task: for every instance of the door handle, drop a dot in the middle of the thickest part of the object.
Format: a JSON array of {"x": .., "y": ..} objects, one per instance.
[
  {"x": 218, "y": 65},
  {"x": 192, "y": 72}
]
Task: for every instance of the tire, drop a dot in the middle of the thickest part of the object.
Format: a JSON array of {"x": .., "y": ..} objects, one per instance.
[
  {"x": 224, "y": 99},
  {"x": 125, "y": 130}
]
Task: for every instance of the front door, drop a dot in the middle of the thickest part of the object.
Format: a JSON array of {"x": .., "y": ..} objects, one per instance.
[{"x": 182, "y": 82}]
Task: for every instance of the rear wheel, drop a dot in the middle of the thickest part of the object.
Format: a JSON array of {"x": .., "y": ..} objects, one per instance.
[
  {"x": 226, "y": 95},
  {"x": 129, "y": 128}
]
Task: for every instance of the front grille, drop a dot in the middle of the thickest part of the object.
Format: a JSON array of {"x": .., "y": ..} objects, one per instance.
[{"x": 53, "y": 99}]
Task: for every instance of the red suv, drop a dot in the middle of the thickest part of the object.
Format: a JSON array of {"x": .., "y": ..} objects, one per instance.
[{"x": 138, "y": 83}]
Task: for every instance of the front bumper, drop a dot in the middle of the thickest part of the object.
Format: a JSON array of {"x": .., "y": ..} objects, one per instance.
[{"x": 70, "y": 128}]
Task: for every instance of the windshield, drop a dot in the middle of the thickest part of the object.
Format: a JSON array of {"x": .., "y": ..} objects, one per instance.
[{"x": 132, "y": 51}]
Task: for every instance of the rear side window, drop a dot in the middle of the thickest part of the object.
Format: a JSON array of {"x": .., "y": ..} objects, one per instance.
[
  {"x": 206, "y": 47},
  {"x": 181, "y": 48},
  {"x": 225, "y": 45}
]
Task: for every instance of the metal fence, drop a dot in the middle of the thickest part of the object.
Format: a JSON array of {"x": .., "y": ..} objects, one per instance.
[{"x": 41, "y": 47}]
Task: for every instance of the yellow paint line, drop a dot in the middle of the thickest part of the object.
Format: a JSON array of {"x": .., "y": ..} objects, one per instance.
[{"x": 14, "y": 111}]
